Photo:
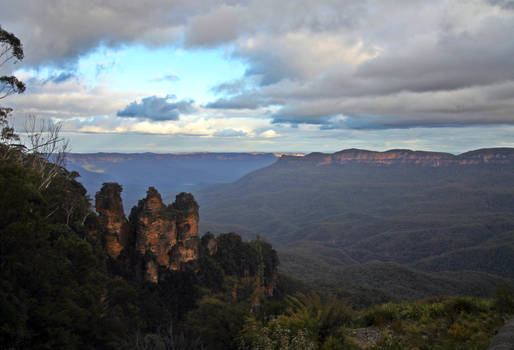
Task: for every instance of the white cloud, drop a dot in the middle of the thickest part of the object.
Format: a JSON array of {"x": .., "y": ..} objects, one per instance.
[
  {"x": 335, "y": 64},
  {"x": 269, "y": 134}
]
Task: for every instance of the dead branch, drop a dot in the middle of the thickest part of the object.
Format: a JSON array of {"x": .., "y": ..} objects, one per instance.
[{"x": 46, "y": 149}]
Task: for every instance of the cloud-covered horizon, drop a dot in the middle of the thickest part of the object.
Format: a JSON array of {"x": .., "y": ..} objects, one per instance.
[{"x": 326, "y": 65}]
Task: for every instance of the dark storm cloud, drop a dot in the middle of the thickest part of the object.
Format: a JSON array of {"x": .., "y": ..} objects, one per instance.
[{"x": 157, "y": 108}]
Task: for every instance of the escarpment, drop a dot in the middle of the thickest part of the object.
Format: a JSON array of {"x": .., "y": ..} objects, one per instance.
[
  {"x": 490, "y": 156},
  {"x": 156, "y": 238}
]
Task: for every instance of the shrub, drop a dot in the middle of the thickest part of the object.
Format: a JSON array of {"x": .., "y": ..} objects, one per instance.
[{"x": 504, "y": 299}]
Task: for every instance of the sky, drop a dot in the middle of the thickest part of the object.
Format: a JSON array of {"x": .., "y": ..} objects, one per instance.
[{"x": 267, "y": 76}]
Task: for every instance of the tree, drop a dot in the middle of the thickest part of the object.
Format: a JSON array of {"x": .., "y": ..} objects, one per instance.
[
  {"x": 11, "y": 49},
  {"x": 46, "y": 149}
]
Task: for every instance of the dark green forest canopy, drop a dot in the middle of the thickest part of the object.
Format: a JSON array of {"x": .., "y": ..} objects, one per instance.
[{"x": 60, "y": 290}]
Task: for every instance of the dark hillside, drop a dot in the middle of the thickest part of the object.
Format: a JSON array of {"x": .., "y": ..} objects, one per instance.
[{"x": 430, "y": 211}]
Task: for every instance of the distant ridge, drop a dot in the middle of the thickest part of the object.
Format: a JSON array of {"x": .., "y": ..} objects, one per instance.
[
  {"x": 171, "y": 173},
  {"x": 350, "y": 217},
  {"x": 404, "y": 156}
]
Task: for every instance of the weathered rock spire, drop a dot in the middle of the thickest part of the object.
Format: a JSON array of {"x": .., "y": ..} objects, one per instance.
[{"x": 164, "y": 237}]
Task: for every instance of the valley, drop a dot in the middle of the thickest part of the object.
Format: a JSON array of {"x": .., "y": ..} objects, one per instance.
[{"x": 376, "y": 226}]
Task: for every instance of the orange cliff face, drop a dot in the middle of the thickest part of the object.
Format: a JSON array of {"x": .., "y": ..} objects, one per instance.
[
  {"x": 113, "y": 224},
  {"x": 499, "y": 156},
  {"x": 164, "y": 237}
]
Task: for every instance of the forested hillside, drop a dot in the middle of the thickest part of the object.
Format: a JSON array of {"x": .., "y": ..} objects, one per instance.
[{"x": 428, "y": 211}]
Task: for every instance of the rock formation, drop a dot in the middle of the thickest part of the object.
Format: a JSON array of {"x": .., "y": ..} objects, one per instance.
[
  {"x": 112, "y": 221},
  {"x": 157, "y": 237},
  {"x": 499, "y": 156}
]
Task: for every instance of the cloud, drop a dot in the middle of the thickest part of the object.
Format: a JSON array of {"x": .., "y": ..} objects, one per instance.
[
  {"x": 65, "y": 96},
  {"x": 61, "y": 77},
  {"x": 333, "y": 64},
  {"x": 245, "y": 101},
  {"x": 230, "y": 133},
  {"x": 55, "y": 78},
  {"x": 438, "y": 70},
  {"x": 507, "y": 4},
  {"x": 171, "y": 77},
  {"x": 157, "y": 108},
  {"x": 269, "y": 134},
  {"x": 58, "y": 32},
  {"x": 471, "y": 106},
  {"x": 214, "y": 28}
]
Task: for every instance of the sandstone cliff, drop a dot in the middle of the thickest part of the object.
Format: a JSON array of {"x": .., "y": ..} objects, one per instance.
[
  {"x": 499, "y": 156},
  {"x": 156, "y": 238},
  {"x": 113, "y": 224}
]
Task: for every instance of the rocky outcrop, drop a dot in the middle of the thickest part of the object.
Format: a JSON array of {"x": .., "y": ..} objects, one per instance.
[
  {"x": 504, "y": 340},
  {"x": 500, "y": 156},
  {"x": 157, "y": 237},
  {"x": 166, "y": 236},
  {"x": 112, "y": 222}
]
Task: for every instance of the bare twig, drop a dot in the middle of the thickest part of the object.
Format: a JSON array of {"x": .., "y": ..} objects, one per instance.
[{"x": 46, "y": 149}]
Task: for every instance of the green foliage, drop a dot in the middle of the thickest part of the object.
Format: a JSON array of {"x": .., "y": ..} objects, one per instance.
[
  {"x": 276, "y": 335},
  {"x": 436, "y": 323},
  {"x": 236, "y": 257},
  {"x": 10, "y": 49},
  {"x": 504, "y": 299},
  {"x": 53, "y": 292},
  {"x": 68, "y": 201},
  {"x": 216, "y": 322},
  {"x": 309, "y": 322},
  {"x": 320, "y": 316}
]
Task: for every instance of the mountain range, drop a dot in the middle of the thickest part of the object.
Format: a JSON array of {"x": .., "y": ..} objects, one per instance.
[
  {"x": 421, "y": 215},
  {"x": 378, "y": 226}
]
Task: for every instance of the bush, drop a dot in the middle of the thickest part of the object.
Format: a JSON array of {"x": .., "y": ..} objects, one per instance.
[
  {"x": 382, "y": 315},
  {"x": 504, "y": 299}
]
